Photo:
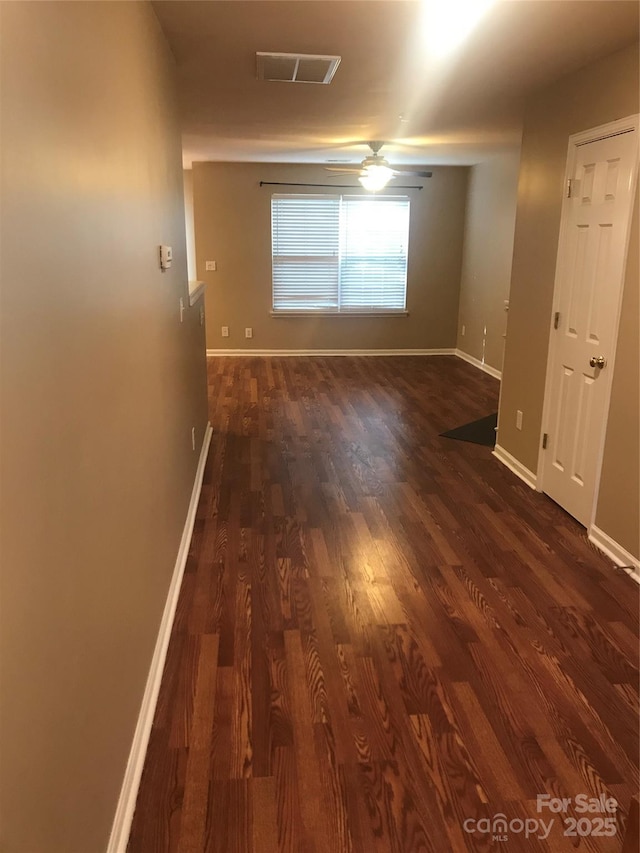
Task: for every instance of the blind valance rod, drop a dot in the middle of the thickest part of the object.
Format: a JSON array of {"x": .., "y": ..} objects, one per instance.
[{"x": 331, "y": 186}]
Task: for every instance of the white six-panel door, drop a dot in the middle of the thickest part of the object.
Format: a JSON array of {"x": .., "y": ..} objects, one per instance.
[{"x": 588, "y": 288}]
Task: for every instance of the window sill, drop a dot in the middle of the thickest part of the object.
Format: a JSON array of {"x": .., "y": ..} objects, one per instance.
[{"x": 368, "y": 314}]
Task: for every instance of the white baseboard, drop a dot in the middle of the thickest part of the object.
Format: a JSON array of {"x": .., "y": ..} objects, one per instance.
[
  {"x": 619, "y": 555},
  {"x": 360, "y": 352},
  {"x": 514, "y": 465},
  {"x": 129, "y": 791},
  {"x": 497, "y": 374},
  {"x": 323, "y": 352}
]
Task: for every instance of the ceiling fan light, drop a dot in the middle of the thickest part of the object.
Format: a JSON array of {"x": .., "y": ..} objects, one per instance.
[{"x": 376, "y": 178}]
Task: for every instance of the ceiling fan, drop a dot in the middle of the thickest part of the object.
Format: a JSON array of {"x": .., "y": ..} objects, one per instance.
[{"x": 374, "y": 173}]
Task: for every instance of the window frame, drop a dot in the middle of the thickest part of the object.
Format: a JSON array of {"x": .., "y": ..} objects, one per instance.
[{"x": 339, "y": 311}]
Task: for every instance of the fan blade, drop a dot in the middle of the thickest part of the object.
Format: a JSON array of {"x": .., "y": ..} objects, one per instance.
[
  {"x": 345, "y": 170},
  {"x": 401, "y": 171}
]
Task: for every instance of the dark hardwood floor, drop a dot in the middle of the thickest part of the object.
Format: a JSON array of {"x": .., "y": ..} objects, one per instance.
[{"x": 383, "y": 633}]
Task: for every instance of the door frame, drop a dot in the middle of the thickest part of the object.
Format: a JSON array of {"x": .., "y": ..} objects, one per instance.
[{"x": 576, "y": 140}]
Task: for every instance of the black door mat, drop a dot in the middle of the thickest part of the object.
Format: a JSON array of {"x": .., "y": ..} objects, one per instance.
[{"x": 482, "y": 431}]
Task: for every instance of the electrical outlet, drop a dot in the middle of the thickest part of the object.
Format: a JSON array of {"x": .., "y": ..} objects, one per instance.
[
  {"x": 518, "y": 419},
  {"x": 181, "y": 310},
  {"x": 193, "y": 438},
  {"x": 464, "y": 329},
  {"x": 210, "y": 266},
  {"x": 225, "y": 331},
  {"x": 248, "y": 332}
]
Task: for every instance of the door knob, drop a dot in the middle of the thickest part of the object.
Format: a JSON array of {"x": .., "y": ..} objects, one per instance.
[{"x": 597, "y": 361}]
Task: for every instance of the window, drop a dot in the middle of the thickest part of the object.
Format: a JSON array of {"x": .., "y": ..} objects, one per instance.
[{"x": 339, "y": 254}]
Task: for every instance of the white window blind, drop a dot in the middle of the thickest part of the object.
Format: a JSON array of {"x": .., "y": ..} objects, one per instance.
[
  {"x": 373, "y": 269},
  {"x": 339, "y": 253},
  {"x": 306, "y": 246}
]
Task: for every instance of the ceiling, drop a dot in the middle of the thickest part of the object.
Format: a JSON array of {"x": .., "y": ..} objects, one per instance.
[{"x": 457, "y": 108}]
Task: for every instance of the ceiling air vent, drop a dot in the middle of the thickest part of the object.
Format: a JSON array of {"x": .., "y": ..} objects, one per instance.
[{"x": 296, "y": 67}]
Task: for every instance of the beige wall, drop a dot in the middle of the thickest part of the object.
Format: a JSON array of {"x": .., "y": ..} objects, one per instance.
[
  {"x": 487, "y": 254},
  {"x": 599, "y": 93},
  {"x": 233, "y": 227},
  {"x": 188, "y": 222},
  {"x": 618, "y": 508},
  {"x": 101, "y": 385}
]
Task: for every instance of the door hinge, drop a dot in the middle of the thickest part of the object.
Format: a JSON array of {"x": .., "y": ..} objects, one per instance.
[
  {"x": 556, "y": 320},
  {"x": 545, "y": 440},
  {"x": 568, "y": 187}
]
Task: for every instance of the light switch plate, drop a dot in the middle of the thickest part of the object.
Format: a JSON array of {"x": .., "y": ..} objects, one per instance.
[{"x": 166, "y": 256}]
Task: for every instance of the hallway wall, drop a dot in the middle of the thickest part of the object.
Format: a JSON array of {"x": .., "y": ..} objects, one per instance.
[
  {"x": 598, "y": 93},
  {"x": 101, "y": 386},
  {"x": 486, "y": 259},
  {"x": 618, "y": 510}
]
